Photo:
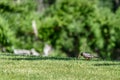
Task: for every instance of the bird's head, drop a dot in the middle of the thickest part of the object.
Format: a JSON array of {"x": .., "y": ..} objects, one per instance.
[{"x": 81, "y": 54}]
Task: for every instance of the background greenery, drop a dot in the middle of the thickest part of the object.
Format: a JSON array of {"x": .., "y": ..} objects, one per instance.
[{"x": 69, "y": 26}]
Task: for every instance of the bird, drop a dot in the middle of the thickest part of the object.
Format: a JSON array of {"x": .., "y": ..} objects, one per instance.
[{"x": 87, "y": 56}]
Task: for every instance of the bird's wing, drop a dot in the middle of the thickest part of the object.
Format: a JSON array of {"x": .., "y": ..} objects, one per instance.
[{"x": 87, "y": 55}]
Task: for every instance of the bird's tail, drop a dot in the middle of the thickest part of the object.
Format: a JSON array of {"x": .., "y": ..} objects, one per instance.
[{"x": 95, "y": 56}]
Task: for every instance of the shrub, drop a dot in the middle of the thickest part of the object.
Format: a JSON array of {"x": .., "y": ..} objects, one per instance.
[
  {"x": 6, "y": 35},
  {"x": 19, "y": 17},
  {"x": 79, "y": 25},
  {"x": 69, "y": 26},
  {"x": 64, "y": 25}
]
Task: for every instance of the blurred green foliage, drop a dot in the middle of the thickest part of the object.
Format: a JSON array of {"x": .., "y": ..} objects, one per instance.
[
  {"x": 18, "y": 18},
  {"x": 69, "y": 26}
]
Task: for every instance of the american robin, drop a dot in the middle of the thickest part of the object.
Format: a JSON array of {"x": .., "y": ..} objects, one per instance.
[{"x": 87, "y": 55}]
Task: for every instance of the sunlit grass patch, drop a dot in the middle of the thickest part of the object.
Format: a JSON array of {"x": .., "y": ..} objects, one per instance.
[{"x": 51, "y": 68}]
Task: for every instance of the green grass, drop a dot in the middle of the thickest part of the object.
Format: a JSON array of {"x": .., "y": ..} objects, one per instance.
[{"x": 50, "y": 68}]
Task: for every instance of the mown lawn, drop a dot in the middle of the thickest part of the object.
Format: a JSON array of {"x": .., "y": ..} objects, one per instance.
[{"x": 44, "y": 68}]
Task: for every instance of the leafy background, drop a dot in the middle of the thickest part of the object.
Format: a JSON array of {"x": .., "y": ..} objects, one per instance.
[{"x": 71, "y": 27}]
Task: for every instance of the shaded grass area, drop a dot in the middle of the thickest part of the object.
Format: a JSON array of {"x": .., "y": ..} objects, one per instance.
[{"x": 14, "y": 67}]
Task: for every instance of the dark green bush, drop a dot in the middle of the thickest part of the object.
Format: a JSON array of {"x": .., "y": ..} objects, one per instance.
[
  {"x": 6, "y": 35},
  {"x": 116, "y": 49},
  {"x": 65, "y": 26},
  {"x": 79, "y": 25},
  {"x": 19, "y": 17},
  {"x": 71, "y": 26}
]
